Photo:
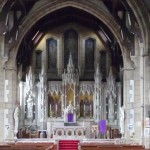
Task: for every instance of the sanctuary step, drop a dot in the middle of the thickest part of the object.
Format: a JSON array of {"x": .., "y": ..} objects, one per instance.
[
  {"x": 70, "y": 124},
  {"x": 68, "y": 144}
]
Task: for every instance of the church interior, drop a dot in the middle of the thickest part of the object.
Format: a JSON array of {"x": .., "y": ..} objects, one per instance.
[{"x": 75, "y": 74}]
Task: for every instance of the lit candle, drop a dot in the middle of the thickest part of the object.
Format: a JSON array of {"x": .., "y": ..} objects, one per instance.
[
  {"x": 56, "y": 107},
  {"x": 83, "y": 124},
  {"x": 90, "y": 108}
]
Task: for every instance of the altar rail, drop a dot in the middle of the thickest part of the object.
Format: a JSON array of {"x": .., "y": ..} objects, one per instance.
[{"x": 72, "y": 132}]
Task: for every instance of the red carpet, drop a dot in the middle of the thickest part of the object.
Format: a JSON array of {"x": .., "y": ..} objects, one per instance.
[{"x": 68, "y": 144}]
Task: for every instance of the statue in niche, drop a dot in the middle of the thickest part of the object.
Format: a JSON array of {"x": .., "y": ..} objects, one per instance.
[
  {"x": 30, "y": 104},
  {"x": 70, "y": 108},
  {"x": 111, "y": 104},
  {"x": 98, "y": 110},
  {"x": 81, "y": 108},
  {"x": 59, "y": 109},
  {"x": 16, "y": 118},
  {"x": 51, "y": 106},
  {"x": 122, "y": 121},
  {"x": 87, "y": 107}
]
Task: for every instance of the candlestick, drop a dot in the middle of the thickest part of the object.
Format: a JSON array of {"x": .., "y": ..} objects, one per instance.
[
  {"x": 56, "y": 107},
  {"x": 90, "y": 108},
  {"x": 50, "y": 107}
]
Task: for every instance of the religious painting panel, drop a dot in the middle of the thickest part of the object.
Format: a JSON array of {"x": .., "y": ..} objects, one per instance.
[
  {"x": 86, "y": 105},
  {"x": 52, "y": 53},
  {"x": 70, "y": 94},
  {"x": 89, "y": 53},
  {"x": 54, "y": 103},
  {"x": 71, "y": 46}
]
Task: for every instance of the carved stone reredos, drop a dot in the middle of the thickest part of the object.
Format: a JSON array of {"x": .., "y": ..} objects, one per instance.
[
  {"x": 72, "y": 75},
  {"x": 98, "y": 76},
  {"x": 110, "y": 79},
  {"x": 29, "y": 82}
]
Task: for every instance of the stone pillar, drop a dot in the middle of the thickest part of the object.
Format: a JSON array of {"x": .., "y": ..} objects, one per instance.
[
  {"x": 142, "y": 91},
  {"x": 10, "y": 80},
  {"x": 146, "y": 97},
  {"x": 2, "y": 83},
  {"x": 128, "y": 74},
  {"x": 118, "y": 101},
  {"x": 22, "y": 102}
]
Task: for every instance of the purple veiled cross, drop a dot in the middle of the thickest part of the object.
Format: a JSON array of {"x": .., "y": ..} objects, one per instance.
[
  {"x": 70, "y": 117},
  {"x": 102, "y": 125}
]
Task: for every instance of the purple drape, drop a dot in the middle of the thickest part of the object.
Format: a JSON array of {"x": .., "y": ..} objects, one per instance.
[
  {"x": 70, "y": 117},
  {"x": 102, "y": 126}
]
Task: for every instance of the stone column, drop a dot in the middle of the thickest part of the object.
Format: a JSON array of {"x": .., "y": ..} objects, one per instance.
[
  {"x": 128, "y": 74},
  {"x": 146, "y": 96},
  {"x": 10, "y": 80},
  {"x": 118, "y": 101},
  {"x": 142, "y": 91},
  {"x": 22, "y": 102},
  {"x": 2, "y": 83}
]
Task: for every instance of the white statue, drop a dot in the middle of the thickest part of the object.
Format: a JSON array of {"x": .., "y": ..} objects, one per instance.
[
  {"x": 16, "y": 118},
  {"x": 98, "y": 110},
  {"x": 30, "y": 107},
  {"x": 111, "y": 105},
  {"x": 121, "y": 120},
  {"x": 69, "y": 109},
  {"x": 108, "y": 134}
]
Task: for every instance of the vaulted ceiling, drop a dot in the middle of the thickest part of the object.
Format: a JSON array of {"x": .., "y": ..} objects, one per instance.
[{"x": 19, "y": 10}]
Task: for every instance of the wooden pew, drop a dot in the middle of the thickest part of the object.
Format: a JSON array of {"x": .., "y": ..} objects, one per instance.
[
  {"x": 5, "y": 147},
  {"x": 34, "y": 146},
  {"x": 97, "y": 146},
  {"x": 133, "y": 147},
  {"x": 28, "y": 146}
]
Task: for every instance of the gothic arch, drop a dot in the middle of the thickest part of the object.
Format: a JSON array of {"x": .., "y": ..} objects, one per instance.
[
  {"x": 140, "y": 11},
  {"x": 87, "y": 6}
]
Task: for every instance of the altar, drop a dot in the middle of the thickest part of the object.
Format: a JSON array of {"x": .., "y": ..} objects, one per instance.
[
  {"x": 70, "y": 108},
  {"x": 69, "y": 132}
]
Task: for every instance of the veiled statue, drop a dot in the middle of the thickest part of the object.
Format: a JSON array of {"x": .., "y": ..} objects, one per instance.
[{"x": 69, "y": 110}]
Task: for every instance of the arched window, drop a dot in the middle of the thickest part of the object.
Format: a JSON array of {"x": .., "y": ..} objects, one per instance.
[
  {"x": 89, "y": 54},
  {"x": 52, "y": 53},
  {"x": 71, "y": 46},
  {"x": 38, "y": 59}
]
